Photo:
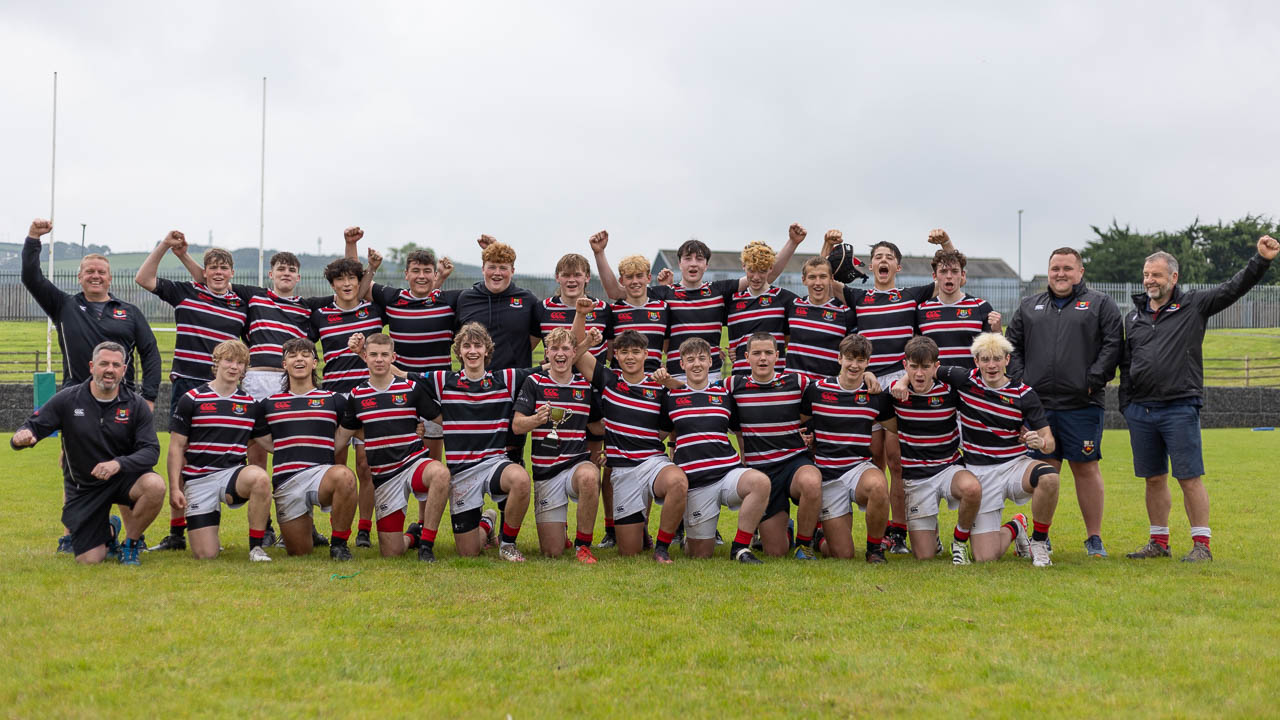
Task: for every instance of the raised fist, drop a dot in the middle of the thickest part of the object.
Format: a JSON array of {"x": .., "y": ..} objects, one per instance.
[
  {"x": 352, "y": 234},
  {"x": 599, "y": 241},
  {"x": 24, "y": 437},
  {"x": 993, "y": 321},
  {"x": 665, "y": 276},
  {"x": 1267, "y": 246},
  {"x": 355, "y": 343},
  {"x": 175, "y": 240},
  {"x": 834, "y": 237},
  {"x": 594, "y": 337},
  {"x": 375, "y": 259},
  {"x": 585, "y": 305},
  {"x": 938, "y": 236},
  {"x": 444, "y": 269},
  {"x": 485, "y": 241},
  {"x": 39, "y": 227},
  {"x": 796, "y": 233}
]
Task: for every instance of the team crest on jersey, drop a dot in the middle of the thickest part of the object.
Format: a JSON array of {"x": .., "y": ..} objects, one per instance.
[
  {"x": 894, "y": 296},
  {"x": 1172, "y": 307},
  {"x": 935, "y": 401},
  {"x": 398, "y": 398},
  {"x": 654, "y": 315},
  {"x": 828, "y": 315},
  {"x": 578, "y": 394},
  {"x": 1006, "y": 399},
  {"x": 1082, "y": 305},
  {"x": 1087, "y": 447},
  {"x": 119, "y": 313},
  {"x": 310, "y": 403},
  {"x": 363, "y": 313},
  {"x": 650, "y": 394},
  {"x": 714, "y": 399},
  {"x": 486, "y": 383},
  {"x": 591, "y": 316},
  {"x": 233, "y": 303},
  {"x": 517, "y": 302},
  {"x": 861, "y": 398},
  {"x": 705, "y": 292},
  {"x": 766, "y": 301},
  {"x": 122, "y": 415},
  {"x": 238, "y": 408},
  {"x": 962, "y": 313}
]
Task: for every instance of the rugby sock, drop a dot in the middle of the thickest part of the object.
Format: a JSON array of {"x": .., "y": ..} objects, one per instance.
[
  {"x": 897, "y": 530},
  {"x": 429, "y": 538},
  {"x": 1200, "y": 535},
  {"x": 339, "y": 537},
  {"x": 874, "y": 541},
  {"x": 1160, "y": 536},
  {"x": 740, "y": 541},
  {"x": 608, "y": 528},
  {"x": 509, "y": 533},
  {"x": 178, "y": 526},
  {"x": 1039, "y": 531},
  {"x": 1012, "y": 527},
  {"x": 961, "y": 535},
  {"x": 485, "y": 525},
  {"x": 365, "y": 525},
  {"x": 664, "y": 539},
  {"x": 255, "y": 538},
  {"x": 582, "y": 539},
  {"x": 804, "y": 540}
]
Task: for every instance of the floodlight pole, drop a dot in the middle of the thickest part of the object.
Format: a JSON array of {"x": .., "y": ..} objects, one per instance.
[
  {"x": 53, "y": 167},
  {"x": 82, "y": 228},
  {"x": 262, "y": 181},
  {"x": 1019, "y": 246}
]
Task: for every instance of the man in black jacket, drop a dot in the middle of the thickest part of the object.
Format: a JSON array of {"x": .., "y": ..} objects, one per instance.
[
  {"x": 1066, "y": 344},
  {"x": 1162, "y": 389},
  {"x": 109, "y": 449}
]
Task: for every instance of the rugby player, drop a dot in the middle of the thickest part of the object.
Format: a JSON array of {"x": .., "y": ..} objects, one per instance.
[
  {"x": 759, "y": 307},
  {"x": 816, "y": 324},
  {"x": 953, "y": 318}
]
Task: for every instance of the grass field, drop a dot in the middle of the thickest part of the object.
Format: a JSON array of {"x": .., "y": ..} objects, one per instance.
[
  {"x": 1223, "y": 350},
  {"x": 481, "y": 638}
]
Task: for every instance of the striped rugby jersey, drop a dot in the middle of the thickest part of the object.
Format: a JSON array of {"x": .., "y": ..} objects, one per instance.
[
  {"x": 649, "y": 320},
  {"x": 695, "y": 312},
  {"x": 813, "y": 349},
  {"x": 841, "y": 423},
  {"x": 217, "y": 428},
  {"x": 749, "y": 314},
  {"x": 992, "y": 419},
  {"x": 390, "y": 421},
  {"x": 273, "y": 320},
  {"x": 888, "y": 319},
  {"x": 422, "y": 327},
  {"x": 953, "y": 327},
  {"x": 204, "y": 319},
  {"x": 632, "y": 415},
  {"x": 700, "y": 421},
  {"x": 769, "y": 419},
  {"x": 343, "y": 370},
  {"x": 927, "y": 431},
  {"x": 302, "y": 430},
  {"x": 553, "y": 313},
  {"x": 476, "y": 413},
  {"x": 577, "y": 397}
]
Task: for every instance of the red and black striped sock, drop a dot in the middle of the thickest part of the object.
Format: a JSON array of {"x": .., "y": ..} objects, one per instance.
[
  {"x": 805, "y": 540},
  {"x": 255, "y": 538},
  {"x": 339, "y": 537},
  {"x": 608, "y": 528},
  {"x": 428, "y": 539},
  {"x": 582, "y": 539},
  {"x": 1040, "y": 531},
  {"x": 178, "y": 526},
  {"x": 740, "y": 541},
  {"x": 664, "y": 540},
  {"x": 509, "y": 533},
  {"x": 365, "y": 525}
]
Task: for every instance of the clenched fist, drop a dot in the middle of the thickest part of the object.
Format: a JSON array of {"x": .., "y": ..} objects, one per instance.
[
  {"x": 39, "y": 227},
  {"x": 796, "y": 233},
  {"x": 352, "y": 234},
  {"x": 599, "y": 241},
  {"x": 1267, "y": 246}
]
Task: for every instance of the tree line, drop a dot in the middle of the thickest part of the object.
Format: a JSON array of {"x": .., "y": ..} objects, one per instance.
[{"x": 1205, "y": 253}]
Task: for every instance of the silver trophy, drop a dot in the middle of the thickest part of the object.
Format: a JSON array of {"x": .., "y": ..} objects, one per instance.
[{"x": 551, "y": 441}]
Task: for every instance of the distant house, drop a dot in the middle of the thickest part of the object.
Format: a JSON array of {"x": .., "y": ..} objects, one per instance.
[{"x": 727, "y": 264}]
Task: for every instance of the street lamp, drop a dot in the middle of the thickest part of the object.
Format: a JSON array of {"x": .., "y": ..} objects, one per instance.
[{"x": 1019, "y": 246}]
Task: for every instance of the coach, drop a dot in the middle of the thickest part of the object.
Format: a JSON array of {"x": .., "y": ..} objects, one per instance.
[
  {"x": 109, "y": 448},
  {"x": 1162, "y": 389},
  {"x": 1066, "y": 343},
  {"x": 90, "y": 317}
]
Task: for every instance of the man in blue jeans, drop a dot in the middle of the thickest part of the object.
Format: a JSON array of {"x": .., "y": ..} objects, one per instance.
[{"x": 1162, "y": 389}]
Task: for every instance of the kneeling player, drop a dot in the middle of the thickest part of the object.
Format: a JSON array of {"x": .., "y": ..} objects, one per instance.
[
  {"x": 631, "y": 403},
  {"x": 208, "y": 438},
  {"x": 699, "y": 414},
  {"x": 387, "y": 409},
  {"x": 562, "y": 466},
  {"x": 768, "y": 413},
  {"x": 299, "y": 425},
  {"x": 1000, "y": 420},
  {"x": 925, "y": 423},
  {"x": 841, "y": 411}
]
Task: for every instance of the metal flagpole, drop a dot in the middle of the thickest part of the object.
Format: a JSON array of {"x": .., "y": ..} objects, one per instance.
[
  {"x": 53, "y": 167},
  {"x": 262, "y": 181}
]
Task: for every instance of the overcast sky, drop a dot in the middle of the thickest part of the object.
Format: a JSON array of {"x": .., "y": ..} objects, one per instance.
[{"x": 541, "y": 123}]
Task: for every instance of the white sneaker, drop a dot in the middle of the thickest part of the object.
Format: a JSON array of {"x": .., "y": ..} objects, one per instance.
[
  {"x": 1040, "y": 554},
  {"x": 959, "y": 553},
  {"x": 257, "y": 554},
  {"x": 1021, "y": 541},
  {"x": 510, "y": 553}
]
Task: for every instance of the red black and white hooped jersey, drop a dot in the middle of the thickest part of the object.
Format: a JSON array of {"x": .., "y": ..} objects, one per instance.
[
  {"x": 578, "y": 397},
  {"x": 769, "y": 418},
  {"x": 953, "y": 327},
  {"x": 813, "y": 349},
  {"x": 992, "y": 420},
  {"x": 274, "y": 320},
  {"x": 552, "y": 313},
  {"x": 700, "y": 420},
  {"x": 217, "y": 428},
  {"x": 841, "y": 423},
  {"x": 632, "y": 415},
  {"x": 749, "y": 314},
  {"x": 888, "y": 319},
  {"x": 302, "y": 430},
  {"x": 695, "y": 312},
  {"x": 476, "y": 413},
  {"x": 390, "y": 421},
  {"x": 927, "y": 431},
  {"x": 649, "y": 320},
  {"x": 421, "y": 327},
  {"x": 343, "y": 370},
  {"x": 204, "y": 319}
]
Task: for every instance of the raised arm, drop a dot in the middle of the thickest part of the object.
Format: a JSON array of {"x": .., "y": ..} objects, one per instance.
[
  {"x": 47, "y": 295},
  {"x": 443, "y": 270},
  {"x": 146, "y": 276},
  {"x": 608, "y": 278},
  {"x": 194, "y": 268},
  {"x": 795, "y": 235}
]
